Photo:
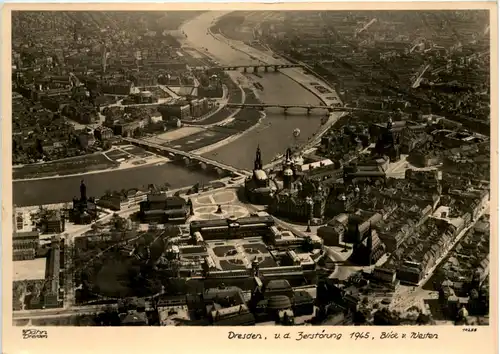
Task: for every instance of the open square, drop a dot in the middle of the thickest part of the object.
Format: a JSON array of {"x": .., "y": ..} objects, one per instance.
[
  {"x": 240, "y": 254},
  {"x": 206, "y": 207},
  {"x": 33, "y": 269}
]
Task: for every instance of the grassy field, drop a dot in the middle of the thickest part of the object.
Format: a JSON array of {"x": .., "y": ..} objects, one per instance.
[
  {"x": 216, "y": 117},
  {"x": 80, "y": 164},
  {"x": 242, "y": 121}
]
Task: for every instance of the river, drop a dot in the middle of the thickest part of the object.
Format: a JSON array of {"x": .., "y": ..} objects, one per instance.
[
  {"x": 48, "y": 191},
  {"x": 273, "y": 136}
]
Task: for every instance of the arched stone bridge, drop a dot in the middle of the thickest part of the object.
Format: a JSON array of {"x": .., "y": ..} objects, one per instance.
[
  {"x": 188, "y": 157},
  {"x": 308, "y": 108},
  {"x": 256, "y": 67}
]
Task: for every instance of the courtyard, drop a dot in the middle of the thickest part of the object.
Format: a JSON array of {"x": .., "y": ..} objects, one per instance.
[
  {"x": 240, "y": 254},
  {"x": 206, "y": 207}
]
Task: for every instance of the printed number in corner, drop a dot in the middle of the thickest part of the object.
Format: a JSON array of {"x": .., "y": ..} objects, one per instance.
[{"x": 469, "y": 329}]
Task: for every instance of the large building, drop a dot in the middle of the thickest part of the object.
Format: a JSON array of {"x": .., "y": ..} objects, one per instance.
[
  {"x": 234, "y": 251},
  {"x": 367, "y": 246},
  {"x": 389, "y": 142},
  {"x": 232, "y": 228},
  {"x": 301, "y": 198},
  {"x": 103, "y": 133},
  {"x": 160, "y": 208},
  {"x": 84, "y": 208},
  {"x": 114, "y": 201},
  {"x": 333, "y": 232},
  {"x": 25, "y": 245},
  {"x": 272, "y": 300},
  {"x": 259, "y": 189},
  {"x": 53, "y": 222},
  {"x": 180, "y": 110},
  {"x": 51, "y": 295}
]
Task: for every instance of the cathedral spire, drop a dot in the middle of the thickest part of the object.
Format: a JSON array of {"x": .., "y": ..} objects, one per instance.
[
  {"x": 288, "y": 157},
  {"x": 258, "y": 159},
  {"x": 83, "y": 191}
]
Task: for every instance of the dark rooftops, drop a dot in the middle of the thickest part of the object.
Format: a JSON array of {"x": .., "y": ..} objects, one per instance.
[
  {"x": 171, "y": 201},
  {"x": 246, "y": 319},
  {"x": 26, "y": 234},
  {"x": 230, "y": 291},
  {"x": 134, "y": 318},
  {"x": 366, "y": 173},
  {"x": 301, "y": 297},
  {"x": 278, "y": 284}
]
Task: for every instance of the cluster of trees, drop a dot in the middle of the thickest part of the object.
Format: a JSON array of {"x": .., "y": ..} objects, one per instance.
[{"x": 143, "y": 280}]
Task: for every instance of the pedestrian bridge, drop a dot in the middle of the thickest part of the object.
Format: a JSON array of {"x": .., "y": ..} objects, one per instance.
[
  {"x": 308, "y": 108},
  {"x": 188, "y": 157},
  {"x": 256, "y": 67}
]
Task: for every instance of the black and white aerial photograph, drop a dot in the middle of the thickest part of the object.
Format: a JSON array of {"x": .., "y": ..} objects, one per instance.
[{"x": 251, "y": 168}]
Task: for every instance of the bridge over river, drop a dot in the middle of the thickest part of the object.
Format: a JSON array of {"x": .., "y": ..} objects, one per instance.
[
  {"x": 309, "y": 108},
  {"x": 255, "y": 67},
  {"x": 188, "y": 156}
]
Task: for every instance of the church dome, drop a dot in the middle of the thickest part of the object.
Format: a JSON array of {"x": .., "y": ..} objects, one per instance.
[
  {"x": 260, "y": 175},
  {"x": 279, "y": 302}
]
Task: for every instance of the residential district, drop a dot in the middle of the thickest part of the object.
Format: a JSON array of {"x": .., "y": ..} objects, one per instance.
[{"x": 382, "y": 218}]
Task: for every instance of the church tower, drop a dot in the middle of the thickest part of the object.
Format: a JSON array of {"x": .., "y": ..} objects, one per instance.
[
  {"x": 83, "y": 192},
  {"x": 288, "y": 156},
  {"x": 258, "y": 160}
]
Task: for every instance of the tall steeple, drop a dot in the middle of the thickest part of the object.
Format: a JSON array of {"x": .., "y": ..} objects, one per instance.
[
  {"x": 83, "y": 191},
  {"x": 288, "y": 156},
  {"x": 258, "y": 159}
]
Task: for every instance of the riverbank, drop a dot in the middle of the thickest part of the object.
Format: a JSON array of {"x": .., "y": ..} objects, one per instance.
[
  {"x": 157, "y": 162},
  {"x": 120, "y": 157},
  {"x": 63, "y": 189},
  {"x": 308, "y": 80},
  {"x": 296, "y": 74}
]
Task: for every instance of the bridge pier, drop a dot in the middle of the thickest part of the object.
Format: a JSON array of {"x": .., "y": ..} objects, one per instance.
[
  {"x": 187, "y": 161},
  {"x": 266, "y": 69},
  {"x": 309, "y": 111},
  {"x": 244, "y": 69},
  {"x": 285, "y": 110},
  {"x": 203, "y": 166},
  {"x": 276, "y": 68},
  {"x": 255, "y": 69}
]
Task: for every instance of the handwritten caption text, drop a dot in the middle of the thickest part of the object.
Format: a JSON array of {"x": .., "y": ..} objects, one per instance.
[{"x": 330, "y": 335}]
